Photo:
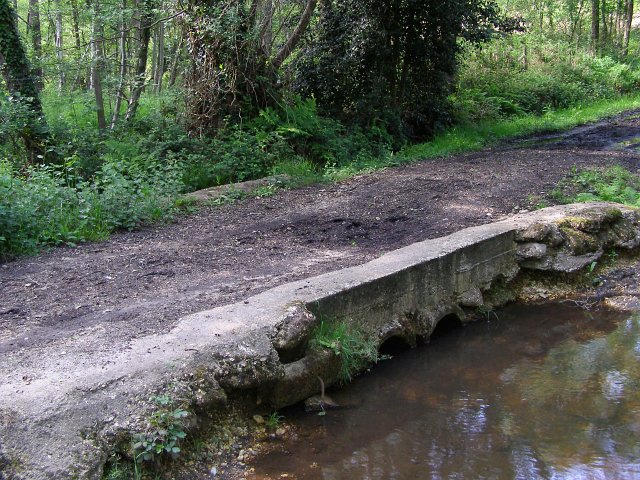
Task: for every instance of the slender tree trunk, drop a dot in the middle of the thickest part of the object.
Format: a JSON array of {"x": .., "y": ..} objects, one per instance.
[
  {"x": 628, "y": 20},
  {"x": 595, "y": 26},
  {"x": 159, "y": 60},
  {"x": 144, "y": 35},
  {"x": 604, "y": 34},
  {"x": 266, "y": 28},
  {"x": 96, "y": 65},
  {"x": 612, "y": 28},
  {"x": 173, "y": 73},
  {"x": 75, "y": 26},
  {"x": 136, "y": 25},
  {"x": 154, "y": 57},
  {"x": 123, "y": 67},
  {"x": 59, "y": 46},
  {"x": 75, "y": 23},
  {"x": 20, "y": 83},
  {"x": 33, "y": 25},
  {"x": 577, "y": 22}
]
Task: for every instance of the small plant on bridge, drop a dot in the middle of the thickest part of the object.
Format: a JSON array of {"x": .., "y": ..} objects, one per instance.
[
  {"x": 165, "y": 429},
  {"x": 356, "y": 349}
]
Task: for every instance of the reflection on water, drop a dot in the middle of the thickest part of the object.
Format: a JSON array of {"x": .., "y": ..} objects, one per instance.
[{"x": 546, "y": 392}]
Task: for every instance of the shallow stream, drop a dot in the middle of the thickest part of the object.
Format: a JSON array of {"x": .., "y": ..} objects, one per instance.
[{"x": 547, "y": 392}]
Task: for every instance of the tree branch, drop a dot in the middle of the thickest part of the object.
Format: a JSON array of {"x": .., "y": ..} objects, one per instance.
[{"x": 295, "y": 37}]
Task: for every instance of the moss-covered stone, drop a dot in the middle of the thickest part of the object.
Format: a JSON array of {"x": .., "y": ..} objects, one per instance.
[
  {"x": 499, "y": 294},
  {"x": 583, "y": 224},
  {"x": 613, "y": 214},
  {"x": 592, "y": 221},
  {"x": 579, "y": 241},
  {"x": 547, "y": 233}
]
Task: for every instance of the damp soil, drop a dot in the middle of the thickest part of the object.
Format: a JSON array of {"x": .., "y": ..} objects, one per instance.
[
  {"x": 95, "y": 298},
  {"x": 534, "y": 392}
]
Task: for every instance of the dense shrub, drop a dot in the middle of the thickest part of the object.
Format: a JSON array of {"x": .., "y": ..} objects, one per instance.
[
  {"x": 52, "y": 206},
  {"x": 370, "y": 62},
  {"x": 498, "y": 82}
]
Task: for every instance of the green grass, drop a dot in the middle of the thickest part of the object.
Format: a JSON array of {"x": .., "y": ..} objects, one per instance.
[
  {"x": 77, "y": 110},
  {"x": 273, "y": 421},
  {"x": 468, "y": 138}
]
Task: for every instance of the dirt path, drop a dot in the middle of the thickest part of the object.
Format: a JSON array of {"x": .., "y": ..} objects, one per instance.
[{"x": 141, "y": 283}]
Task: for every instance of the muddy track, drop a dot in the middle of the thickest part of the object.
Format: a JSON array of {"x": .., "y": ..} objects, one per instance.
[{"x": 141, "y": 283}]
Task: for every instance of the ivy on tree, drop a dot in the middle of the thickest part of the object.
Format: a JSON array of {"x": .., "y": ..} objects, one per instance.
[
  {"x": 390, "y": 62},
  {"x": 21, "y": 84}
]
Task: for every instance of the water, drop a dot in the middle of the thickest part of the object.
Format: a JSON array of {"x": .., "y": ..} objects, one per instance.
[{"x": 547, "y": 392}]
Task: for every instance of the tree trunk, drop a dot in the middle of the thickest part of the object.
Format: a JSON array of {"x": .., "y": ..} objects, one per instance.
[
  {"x": 59, "y": 46},
  {"x": 173, "y": 73},
  {"x": 144, "y": 35},
  {"x": 595, "y": 26},
  {"x": 123, "y": 67},
  {"x": 96, "y": 65},
  {"x": 266, "y": 28},
  {"x": 577, "y": 22},
  {"x": 604, "y": 34},
  {"x": 154, "y": 51},
  {"x": 21, "y": 84},
  {"x": 33, "y": 26},
  {"x": 75, "y": 25},
  {"x": 628, "y": 20},
  {"x": 159, "y": 61}
]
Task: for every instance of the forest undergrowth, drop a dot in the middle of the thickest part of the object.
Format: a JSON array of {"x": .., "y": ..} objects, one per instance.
[{"x": 136, "y": 173}]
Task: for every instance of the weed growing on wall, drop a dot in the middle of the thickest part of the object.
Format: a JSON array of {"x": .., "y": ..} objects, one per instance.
[
  {"x": 165, "y": 430},
  {"x": 356, "y": 350}
]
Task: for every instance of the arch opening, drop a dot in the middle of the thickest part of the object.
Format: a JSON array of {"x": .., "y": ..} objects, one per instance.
[
  {"x": 394, "y": 345},
  {"x": 445, "y": 325}
]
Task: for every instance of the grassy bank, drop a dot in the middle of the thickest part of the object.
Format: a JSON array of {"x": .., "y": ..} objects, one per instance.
[{"x": 470, "y": 137}]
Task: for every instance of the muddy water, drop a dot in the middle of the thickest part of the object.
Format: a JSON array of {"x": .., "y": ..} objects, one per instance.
[{"x": 547, "y": 392}]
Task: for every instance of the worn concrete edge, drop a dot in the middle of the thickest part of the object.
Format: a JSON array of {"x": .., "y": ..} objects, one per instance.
[
  {"x": 67, "y": 430},
  {"x": 243, "y": 188}
]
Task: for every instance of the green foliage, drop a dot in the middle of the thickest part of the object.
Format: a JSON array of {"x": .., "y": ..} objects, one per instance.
[
  {"x": 165, "y": 429},
  {"x": 389, "y": 63},
  {"x": 472, "y": 136},
  {"x": 273, "y": 421},
  {"x": 320, "y": 140},
  {"x": 21, "y": 85},
  {"x": 519, "y": 75},
  {"x": 235, "y": 155},
  {"x": 117, "y": 469},
  {"x": 299, "y": 171},
  {"x": 613, "y": 184},
  {"x": 356, "y": 350},
  {"x": 16, "y": 117},
  {"x": 51, "y": 205}
]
